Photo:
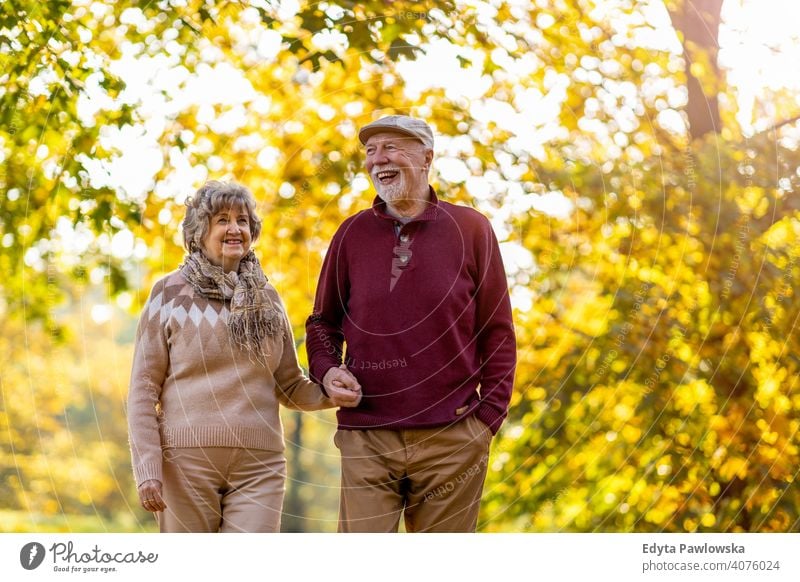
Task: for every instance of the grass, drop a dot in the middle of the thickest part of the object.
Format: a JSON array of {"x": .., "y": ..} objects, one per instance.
[{"x": 22, "y": 521}]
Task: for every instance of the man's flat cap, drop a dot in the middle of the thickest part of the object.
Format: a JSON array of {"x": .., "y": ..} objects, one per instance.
[{"x": 410, "y": 126}]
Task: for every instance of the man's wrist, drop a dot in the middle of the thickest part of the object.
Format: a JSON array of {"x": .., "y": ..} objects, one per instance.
[
  {"x": 322, "y": 382},
  {"x": 489, "y": 417},
  {"x": 318, "y": 369}
]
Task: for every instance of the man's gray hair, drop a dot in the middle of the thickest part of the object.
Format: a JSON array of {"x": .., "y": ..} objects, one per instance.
[{"x": 211, "y": 198}]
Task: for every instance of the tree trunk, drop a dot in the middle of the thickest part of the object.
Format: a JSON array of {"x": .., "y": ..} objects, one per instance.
[
  {"x": 698, "y": 21},
  {"x": 294, "y": 511}
]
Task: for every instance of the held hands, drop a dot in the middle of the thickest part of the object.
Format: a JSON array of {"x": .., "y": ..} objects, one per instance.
[
  {"x": 150, "y": 495},
  {"x": 342, "y": 387}
]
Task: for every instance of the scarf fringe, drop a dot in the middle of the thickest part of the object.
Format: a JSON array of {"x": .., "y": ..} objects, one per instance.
[{"x": 249, "y": 332}]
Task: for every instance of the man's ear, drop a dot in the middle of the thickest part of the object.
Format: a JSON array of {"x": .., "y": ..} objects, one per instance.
[{"x": 428, "y": 159}]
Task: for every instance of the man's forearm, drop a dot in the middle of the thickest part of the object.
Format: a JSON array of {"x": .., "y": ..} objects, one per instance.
[
  {"x": 324, "y": 344},
  {"x": 497, "y": 383}
]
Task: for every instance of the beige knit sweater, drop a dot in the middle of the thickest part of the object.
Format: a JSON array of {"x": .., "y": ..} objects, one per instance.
[{"x": 192, "y": 386}]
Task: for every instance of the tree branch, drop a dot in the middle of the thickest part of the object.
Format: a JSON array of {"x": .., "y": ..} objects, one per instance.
[{"x": 780, "y": 124}]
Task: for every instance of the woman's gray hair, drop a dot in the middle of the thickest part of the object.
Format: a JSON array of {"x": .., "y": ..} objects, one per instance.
[{"x": 210, "y": 199}]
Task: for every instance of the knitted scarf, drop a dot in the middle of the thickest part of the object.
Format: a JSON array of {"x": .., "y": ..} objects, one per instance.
[{"x": 253, "y": 316}]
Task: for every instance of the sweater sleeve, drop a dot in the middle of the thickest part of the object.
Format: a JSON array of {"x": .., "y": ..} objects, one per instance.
[
  {"x": 293, "y": 388},
  {"x": 495, "y": 332},
  {"x": 324, "y": 336},
  {"x": 150, "y": 365}
]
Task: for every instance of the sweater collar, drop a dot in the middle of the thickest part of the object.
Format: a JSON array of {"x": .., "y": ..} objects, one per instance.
[{"x": 430, "y": 213}]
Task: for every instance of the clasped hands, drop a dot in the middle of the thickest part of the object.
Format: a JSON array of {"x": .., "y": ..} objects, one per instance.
[{"x": 342, "y": 387}]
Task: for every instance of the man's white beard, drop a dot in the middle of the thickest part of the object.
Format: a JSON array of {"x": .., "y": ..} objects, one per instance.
[{"x": 393, "y": 192}]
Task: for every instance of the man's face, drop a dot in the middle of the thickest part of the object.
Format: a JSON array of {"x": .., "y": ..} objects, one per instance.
[{"x": 398, "y": 166}]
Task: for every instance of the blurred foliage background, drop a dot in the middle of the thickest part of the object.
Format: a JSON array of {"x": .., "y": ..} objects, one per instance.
[{"x": 646, "y": 205}]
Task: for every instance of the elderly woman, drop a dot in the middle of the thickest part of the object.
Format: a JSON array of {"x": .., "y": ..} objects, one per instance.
[{"x": 214, "y": 356}]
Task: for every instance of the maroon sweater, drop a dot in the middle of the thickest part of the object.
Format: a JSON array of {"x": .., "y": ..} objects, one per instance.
[{"x": 425, "y": 314}]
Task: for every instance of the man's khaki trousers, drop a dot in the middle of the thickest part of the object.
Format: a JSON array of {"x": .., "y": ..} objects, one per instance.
[{"x": 433, "y": 477}]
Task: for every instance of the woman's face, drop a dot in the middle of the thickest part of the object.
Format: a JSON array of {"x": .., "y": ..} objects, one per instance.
[{"x": 228, "y": 238}]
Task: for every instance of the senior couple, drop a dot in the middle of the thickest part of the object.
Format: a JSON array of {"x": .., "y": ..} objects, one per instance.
[{"x": 414, "y": 287}]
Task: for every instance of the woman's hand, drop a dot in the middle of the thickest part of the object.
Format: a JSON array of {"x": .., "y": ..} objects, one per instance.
[
  {"x": 342, "y": 387},
  {"x": 150, "y": 495}
]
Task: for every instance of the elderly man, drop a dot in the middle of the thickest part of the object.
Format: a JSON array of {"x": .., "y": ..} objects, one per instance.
[{"x": 415, "y": 287}]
